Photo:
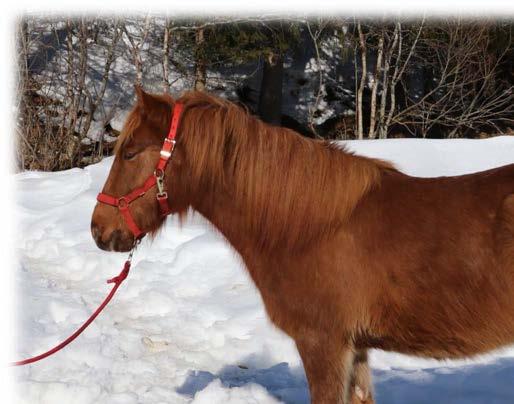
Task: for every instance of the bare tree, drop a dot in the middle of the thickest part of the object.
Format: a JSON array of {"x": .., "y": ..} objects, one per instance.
[
  {"x": 362, "y": 85},
  {"x": 389, "y": 52},
  {"x": 466, "y": 93},
  {"x": 137, "y": 40},
  {"x": 399, "y": 69},
  {"x": 60, "y": 101},
  {"x": 374, "y": 88},
  {"x": 166, "y": 45},
  {"x": 315, "y": 36},
  {"x": 200, "y": 68},
  {"x": 95, "y": 99}
]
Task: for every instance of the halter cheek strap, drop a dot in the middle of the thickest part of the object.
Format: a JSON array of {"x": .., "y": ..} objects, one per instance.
[{"x": 157, "y": 178}]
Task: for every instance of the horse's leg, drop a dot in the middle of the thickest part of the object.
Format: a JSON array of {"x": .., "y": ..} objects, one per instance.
[
  {"x": 328, "y": 365},
  {"x": 361, "y": 385}
]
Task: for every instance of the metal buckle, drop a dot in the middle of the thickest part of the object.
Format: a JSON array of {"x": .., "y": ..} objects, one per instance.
[
  {"x": 159, "y": 179},
  {"x": 165, "y": 154}
]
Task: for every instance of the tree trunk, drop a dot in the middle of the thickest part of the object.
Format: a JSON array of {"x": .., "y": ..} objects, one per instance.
[
  {"x": 270, "y": 99},
  {"x": 22, "y": 99},
  {"x": 200, "y": 74},
  {"x": 165, "y": 58},
  {"x": 360, "y": 91},
  {"x": 94, "y": 102},
  {"x": 385, "y": 85},
  {"x": 376, "y": 80}
]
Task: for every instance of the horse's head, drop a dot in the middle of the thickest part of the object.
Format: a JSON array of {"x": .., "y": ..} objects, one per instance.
[{"x": 137, "y": 153}]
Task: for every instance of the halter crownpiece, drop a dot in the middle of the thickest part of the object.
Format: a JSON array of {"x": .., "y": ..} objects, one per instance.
[{"x": 156, "y": 179}]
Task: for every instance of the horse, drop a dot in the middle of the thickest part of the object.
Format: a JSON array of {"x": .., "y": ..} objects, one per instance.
[{"x": 347, "y": 252}]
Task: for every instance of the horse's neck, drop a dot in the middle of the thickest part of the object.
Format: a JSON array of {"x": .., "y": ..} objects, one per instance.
[
  {"x": 228, "y": 218},
  {"x": 311, "y": 200}
]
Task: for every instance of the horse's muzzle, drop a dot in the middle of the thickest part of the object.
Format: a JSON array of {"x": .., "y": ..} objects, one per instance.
[{"x": 114, "y": 240}]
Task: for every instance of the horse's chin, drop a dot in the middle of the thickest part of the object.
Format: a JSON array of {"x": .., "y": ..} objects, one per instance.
[{"x": 125, "y": 247}]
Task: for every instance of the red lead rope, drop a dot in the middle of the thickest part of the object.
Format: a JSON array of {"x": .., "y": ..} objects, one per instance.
[{"x": 117, "y": 280}]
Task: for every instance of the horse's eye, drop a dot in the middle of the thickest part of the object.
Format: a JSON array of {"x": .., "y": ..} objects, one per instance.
[{"x": 129, "y": 155}]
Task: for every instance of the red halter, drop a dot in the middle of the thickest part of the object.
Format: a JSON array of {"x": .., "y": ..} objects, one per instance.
[{"x": 157, "y": 178}]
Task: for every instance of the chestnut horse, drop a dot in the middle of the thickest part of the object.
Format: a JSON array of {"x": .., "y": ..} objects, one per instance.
[{"x": 347, "y": 252}]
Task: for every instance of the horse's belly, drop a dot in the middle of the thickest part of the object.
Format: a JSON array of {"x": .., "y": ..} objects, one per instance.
[{"x": 462, "y": 325}]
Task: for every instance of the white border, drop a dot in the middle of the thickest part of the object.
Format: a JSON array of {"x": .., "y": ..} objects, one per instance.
[
  {"x": 199, "y": 8},
  {"x": 11, "y": 10}
]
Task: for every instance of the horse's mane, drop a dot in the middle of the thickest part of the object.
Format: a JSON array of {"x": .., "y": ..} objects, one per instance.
[
  {"x": 290, "y": 189},
  {"x": 159, "y": 116}
]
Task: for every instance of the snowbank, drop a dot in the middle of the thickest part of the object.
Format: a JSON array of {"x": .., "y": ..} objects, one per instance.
[{"x": 188, "y": 326}]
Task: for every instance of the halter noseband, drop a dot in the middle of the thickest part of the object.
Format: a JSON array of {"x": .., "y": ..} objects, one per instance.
[{"x": 157, "y": 178}]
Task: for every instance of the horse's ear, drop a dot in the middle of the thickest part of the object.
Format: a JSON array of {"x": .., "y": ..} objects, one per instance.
[
  {"x": 143, "y": 98},
  {"x": 150, "y": 106}
]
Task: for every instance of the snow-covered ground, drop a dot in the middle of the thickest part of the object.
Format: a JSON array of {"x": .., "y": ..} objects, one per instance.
[{"x": 188, "y": 325}]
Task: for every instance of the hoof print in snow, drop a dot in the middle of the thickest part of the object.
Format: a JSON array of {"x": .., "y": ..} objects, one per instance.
[{"x": 154, "y": 346}]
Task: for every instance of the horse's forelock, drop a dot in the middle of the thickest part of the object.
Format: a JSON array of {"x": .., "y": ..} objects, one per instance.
[{"x": 132, "y": 122}]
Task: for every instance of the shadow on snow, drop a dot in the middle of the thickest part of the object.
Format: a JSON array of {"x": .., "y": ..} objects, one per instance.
[{"x": 471, "y": 384}]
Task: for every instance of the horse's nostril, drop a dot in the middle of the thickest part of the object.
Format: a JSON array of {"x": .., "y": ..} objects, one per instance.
[{"x": 97, "y": 232}]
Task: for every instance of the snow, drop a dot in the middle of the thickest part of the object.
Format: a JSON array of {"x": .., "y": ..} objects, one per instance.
[{"x": 188, "y": 326}]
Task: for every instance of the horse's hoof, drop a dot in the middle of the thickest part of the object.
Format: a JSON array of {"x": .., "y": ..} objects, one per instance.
[{"x": 360, "y": 396}]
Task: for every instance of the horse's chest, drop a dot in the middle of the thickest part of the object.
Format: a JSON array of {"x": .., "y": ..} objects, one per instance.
[{"x": 295, "y": 299}]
